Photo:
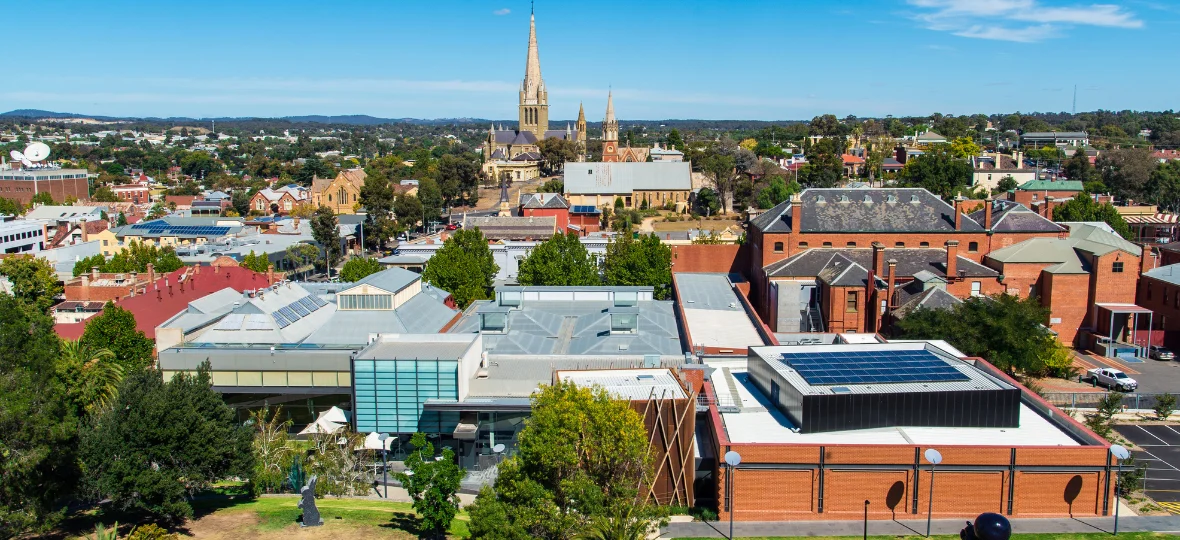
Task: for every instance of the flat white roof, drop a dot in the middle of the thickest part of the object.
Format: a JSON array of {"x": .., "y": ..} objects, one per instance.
[
  {"x": 760, "y": 422},
  {"x": 724, "y": 329},
  {"x": 629, "y": 384},
  {"x": 849, "y": 337}
]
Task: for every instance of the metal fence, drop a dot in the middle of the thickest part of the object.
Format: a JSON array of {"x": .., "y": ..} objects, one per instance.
[{"x": 1089, "y": 400}]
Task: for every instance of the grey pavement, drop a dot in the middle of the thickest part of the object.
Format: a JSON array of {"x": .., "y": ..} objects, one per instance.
[{"x": 720, "y": 529}]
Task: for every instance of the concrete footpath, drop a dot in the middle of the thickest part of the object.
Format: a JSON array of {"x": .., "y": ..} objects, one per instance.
[{"x": 720, "y": 529}]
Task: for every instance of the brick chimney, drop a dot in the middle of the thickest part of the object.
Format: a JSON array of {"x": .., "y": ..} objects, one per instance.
[
  {"x": 85, "y": 287},
  {"x": 987, "y": 214},
  {"x": 94, "y": 273},
  {"x": 879, "y": 258},
  {"x": 796, "y": 214},
  {"x": 151, "y": 268},
  {"x": 958, "y": 213},
  {"x": 952, "y": 259},
  {"x": 1147, "y": 260},
  {"x": 270, "y": 273},
  {"x": 889, "y": 291}
]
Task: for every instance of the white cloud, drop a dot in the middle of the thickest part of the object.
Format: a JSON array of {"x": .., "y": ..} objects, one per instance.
[
  {"x": 502, "y": 11},
  {"x": 1023, "y": 21}
]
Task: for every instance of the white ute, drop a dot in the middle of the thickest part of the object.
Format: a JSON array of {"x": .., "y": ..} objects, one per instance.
[{"x": 1111, "y": 378}]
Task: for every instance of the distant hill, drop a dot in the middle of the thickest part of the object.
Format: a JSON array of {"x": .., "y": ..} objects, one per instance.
[{"x": 348, "y": 119}]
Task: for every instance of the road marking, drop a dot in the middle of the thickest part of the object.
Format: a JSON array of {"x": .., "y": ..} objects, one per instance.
[
  {"x": 1172, "y": 429},
  {"x": 1153, "y": 435},
  {"x": 1170, "y": 506},
  {"x": 1170, "y": 466}
]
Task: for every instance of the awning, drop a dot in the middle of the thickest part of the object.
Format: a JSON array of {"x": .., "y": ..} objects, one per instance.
[{"x": 1161, "y": 219}]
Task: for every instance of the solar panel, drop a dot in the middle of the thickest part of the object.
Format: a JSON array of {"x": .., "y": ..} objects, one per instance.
[
  {"x": 584, "y": 209},
  {"x": 291, "y": 314},
  {"x": 281, "y": 319},
  {"x": 308, "y": 303},
  {"x": 872, "y": 367},
  {"x": 299, "y": 308},
  {"x": 319, "y": 302}
]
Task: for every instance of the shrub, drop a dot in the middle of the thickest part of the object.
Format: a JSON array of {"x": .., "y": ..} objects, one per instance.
[
  {"x": 151, "y": 531},
  {"x": 1165, "y": 404},
  {"x": 102, "y": 533}
]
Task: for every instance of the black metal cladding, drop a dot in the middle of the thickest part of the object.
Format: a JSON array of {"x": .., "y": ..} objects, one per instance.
[{"x": 997, "y": 408}]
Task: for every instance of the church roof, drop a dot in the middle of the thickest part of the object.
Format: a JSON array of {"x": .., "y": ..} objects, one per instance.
[
  {"x": 527, "y": 156},
  {"x": 562, "y": 134}
]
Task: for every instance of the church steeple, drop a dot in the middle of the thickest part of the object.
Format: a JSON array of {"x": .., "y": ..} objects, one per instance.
[
  {"x": 610, "y": 131},
  {"x": 534, "y": 99}
]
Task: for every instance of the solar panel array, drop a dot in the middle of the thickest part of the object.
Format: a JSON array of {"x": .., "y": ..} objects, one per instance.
[
  {"x": 290, "y": 313},
  {"x": 162, "y": 227},
  {"x": 584, "y": 209},
  {"x": 870, "y": 367}
]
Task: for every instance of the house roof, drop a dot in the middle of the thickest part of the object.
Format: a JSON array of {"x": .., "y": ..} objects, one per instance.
[
  {"x": 527, "y": 156},
  {"x": 615, "y": 178},
  {"x": 850, "y": 159},
  {"x": 1054, "y": 135},
  {"x": 543, "y": 200},
  {"x": 1008, "y": 216},
  {"x": 63, "y": 213},
  {"x": 1006, "y": 163},
  {"x": 910, "y": 261},
  {"x": 1169, "y": 273},
  {"x": 930, "y": 136},
  {"x": 390, "y": 280},
  {"x": 165, "y": 298},
  {"x": 1050, "y": 185},
  {"x": 1062, "y": 254},
  {"x": 865, "y": 210},
  {"x": 510, "y": 227},
  {"x": 932, "y": 298}
]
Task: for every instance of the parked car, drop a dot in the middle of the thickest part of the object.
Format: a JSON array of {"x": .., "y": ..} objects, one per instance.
[
  {"x": 1162, "y": 353},
  {"x": 453, "y": 227},
  {"x": 1111, "y": 378}
]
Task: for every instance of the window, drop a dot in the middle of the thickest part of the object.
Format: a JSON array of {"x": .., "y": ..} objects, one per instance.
[
  {"x": 976, "y": 288},
  {"x": 827, "y": 244},
  {"x": 802, "y": 245},
  {"x": 850, "y": 301},
  {"x": 924, "y": 244},
  {"x": 884, "y": 306},
  {"x": 851, "y": 244},
  {"x": 329, "y": 197},
  {"x": 778, "y": 247},
  {"x": 1117, "y": 267},
  {"x": 899, "y": 244},
  {"x": 973, "y": 247},
  {"x": 105, "y": 243},
  {"x": 365, "y": 301}
]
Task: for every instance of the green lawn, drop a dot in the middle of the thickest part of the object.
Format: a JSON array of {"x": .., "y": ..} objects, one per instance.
[
  {"x": 275, "y": 513},
  {"x": 1047, "y": 536}
]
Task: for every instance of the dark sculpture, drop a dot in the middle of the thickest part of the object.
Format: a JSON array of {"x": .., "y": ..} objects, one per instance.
[
  {"x": 988, "y": 526},
  {"x": 311, "y": 514}
]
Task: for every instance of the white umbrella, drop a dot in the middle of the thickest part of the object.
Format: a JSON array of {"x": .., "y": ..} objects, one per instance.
[
  {"x": 373, "y": 441},
  {"x": 335, "y": 414},
  {"x": 321, "y": 426}
]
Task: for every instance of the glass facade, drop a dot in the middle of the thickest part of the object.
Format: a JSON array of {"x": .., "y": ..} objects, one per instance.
[{"x": 390, "y": 394}]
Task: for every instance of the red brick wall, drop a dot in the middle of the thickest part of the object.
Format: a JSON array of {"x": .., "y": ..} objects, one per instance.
[
  {"x": 561, "y": 214},
  {"x": 1026, "y": 197},
  {"x": 19, "y": 190},
  {"x": 717, "y": 258},
  {"x": 1065, "y": 296},
  {"x": 1163, "y": 299},
  {"x": 96, "y": 294},
  {"x": 1108, "y": 286},
  {"x": 1019, "y": 277},
  {"x": 588, "y": 222}
]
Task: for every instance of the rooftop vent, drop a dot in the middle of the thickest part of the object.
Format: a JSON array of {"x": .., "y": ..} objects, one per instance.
[
  {"x": 820, "y": 200},
  {"x": 626, "y": 298},
  {"x": 914, "y": 199},
  {"x": 841, "y": 390},
  {"x": 646, "y": 377},
  {"x": 844, "y": 198},
  {"x": 868, "y": 199},
  {"x": 891, "y": 198}
]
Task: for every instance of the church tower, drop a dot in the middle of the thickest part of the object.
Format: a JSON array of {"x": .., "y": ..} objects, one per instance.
[
  {"x": 610, "y": 132},
  {"x": 581, "y": 127},
  {"x": 534, "y": 99}
]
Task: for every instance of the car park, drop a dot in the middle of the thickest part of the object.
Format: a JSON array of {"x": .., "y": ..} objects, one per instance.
[
  {"x": 1111, "y": 378},
  {"x": 1162, "y": 353}
]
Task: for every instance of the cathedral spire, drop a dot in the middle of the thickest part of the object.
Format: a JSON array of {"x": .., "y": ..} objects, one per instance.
[
  {"x": 581, "y": 114},
  {"x": 610, "y": 106},
  {"x": 532, "y": 66}
]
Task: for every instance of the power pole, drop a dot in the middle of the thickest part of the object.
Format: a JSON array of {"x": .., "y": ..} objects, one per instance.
[{"x": 1075, "y": 99}]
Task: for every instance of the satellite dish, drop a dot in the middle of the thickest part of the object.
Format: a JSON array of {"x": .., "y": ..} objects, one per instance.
[
  {"x": 26, "y": 162},
  {"x": 1119, "y": 452},
  {"x": 732, "y": 458},
  {"x": 16, "y": 156},
  {"x": 499, "y": 448},
  {"x": 37, "y": 151},
  {"x": 933, "y": 456}
]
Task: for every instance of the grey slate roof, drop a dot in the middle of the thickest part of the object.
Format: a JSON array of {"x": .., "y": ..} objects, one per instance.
[
  {"x": 910, "y": 261},
  {"x": 865, "y": 210},
  {"x": 561, "y": 134},
  {"x": 527, "y": 156},
  {"x": 512, "y": 227},
  {"x": 614, "y": 178},
  {"x": 844, "y": 273},
  {"x": 932, "y": 298},
  {"x": 511, "y": 136},
  {"x": 543, "y": 200},
  {"x": 1009, "y": 216}
]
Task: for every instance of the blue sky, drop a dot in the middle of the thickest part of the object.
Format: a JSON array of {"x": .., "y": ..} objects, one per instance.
[{"x": 765, "y": 60}]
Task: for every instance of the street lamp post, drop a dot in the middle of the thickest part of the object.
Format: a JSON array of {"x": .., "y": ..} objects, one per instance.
[
  {"x": 866, "y": 529},
  {"x": 384, "y": 463},
  {"x": 1120, "y": 453},
  {"x": 732, "y": 459},
  {"x": 934, "y": 457}
]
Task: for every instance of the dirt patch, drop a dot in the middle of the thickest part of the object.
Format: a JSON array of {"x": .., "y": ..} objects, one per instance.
[{"x": 225, "y": 525}]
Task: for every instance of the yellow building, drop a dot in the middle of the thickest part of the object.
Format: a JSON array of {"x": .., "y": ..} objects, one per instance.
[
  {"x": 108, "y": 243},
  {"x": 341, "y": 194}
]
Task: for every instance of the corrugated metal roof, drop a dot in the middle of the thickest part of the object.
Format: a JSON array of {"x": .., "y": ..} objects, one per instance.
[
  {"x": 617, "y": 178},
  {"x": 629, "y": 384},
  {"x": 418, "y": 346}
]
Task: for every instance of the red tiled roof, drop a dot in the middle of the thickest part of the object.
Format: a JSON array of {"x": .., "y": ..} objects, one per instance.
[
  {"x": 850, "y": 159},
  {"x": 166, "y": 297}
]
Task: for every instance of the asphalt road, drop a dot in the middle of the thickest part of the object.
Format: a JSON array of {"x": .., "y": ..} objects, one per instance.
[{"x": 1160, "y": 450}]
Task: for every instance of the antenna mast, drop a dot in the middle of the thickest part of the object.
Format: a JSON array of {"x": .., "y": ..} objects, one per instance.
[{"x": 1075, "y": 99}]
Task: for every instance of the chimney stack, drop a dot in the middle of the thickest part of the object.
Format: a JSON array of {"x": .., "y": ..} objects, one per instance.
[
  {"x": 952, "y": 259},
  {"x": 958, "y": 202},
  {"x": 270, "y": 274},
  {"x": 889, "y": 291},
  {"x": 94, "y": 273},
  {"x": 987, "y": 214},
  {"x": 1147, "y": 260},
  {"x": 879, "y": 258},
  {"x": 85, "y": 287},
  {"x": 151, "y": 268},
  {"x": 796, "y": 214}
]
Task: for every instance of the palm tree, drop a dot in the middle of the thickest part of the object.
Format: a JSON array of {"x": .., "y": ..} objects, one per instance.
[{"x": 91, "y": 373}]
